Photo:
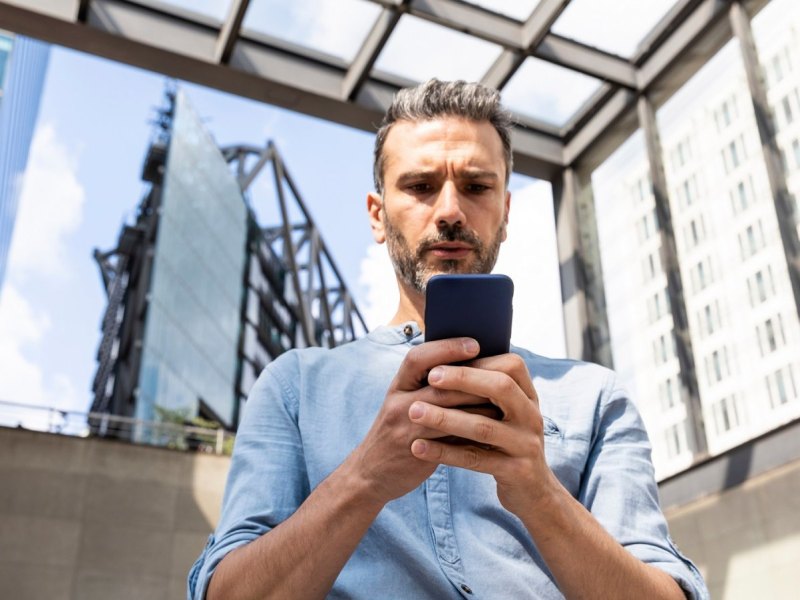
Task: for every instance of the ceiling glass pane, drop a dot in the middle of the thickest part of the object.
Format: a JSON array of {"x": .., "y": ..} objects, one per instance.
[
  {"x": 419, "y": 50},
  {"x": 217, "y": 9},
  {"x": 336, "y": 27},
  {"x": 516, "y": 9},
  {"x": 616, "y": 26},
  {"x": 548, "y": 92}
]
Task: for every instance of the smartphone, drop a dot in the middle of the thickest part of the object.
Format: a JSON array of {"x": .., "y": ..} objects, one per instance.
[{"x": 476, "y": 306}]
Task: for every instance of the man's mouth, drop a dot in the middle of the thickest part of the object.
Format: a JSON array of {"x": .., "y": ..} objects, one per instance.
[{"x": 450, "y": 250}]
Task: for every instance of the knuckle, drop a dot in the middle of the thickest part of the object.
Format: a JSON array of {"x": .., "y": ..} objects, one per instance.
[
  {"x": 472, "y": 458},
  {"x": 484, "y": 431},
  {"x": 439, "y": 418}
]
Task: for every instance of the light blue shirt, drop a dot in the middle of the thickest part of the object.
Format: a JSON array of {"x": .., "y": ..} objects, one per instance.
[{"x": 450, "y": 537}]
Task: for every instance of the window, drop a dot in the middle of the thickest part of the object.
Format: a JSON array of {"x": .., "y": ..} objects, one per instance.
[
  {"x": 751, "y": 240},
  {"x": 777, "y": 69},
  {"x": 726, "y": 414},
  {"x": 663, "y": 349},
  {"x": 701, "y": 275},
  {"x": 651, "y": 265},
  {"x": 675, "y": 436},
  {"x": 668, "y": 394},
  {"x": 796, "y": 152},
  {"x": 781, "y": 387},
  {"x": 787, "y": 110},
  {"x": 761, "y": 286},
  {"x": 717, "y": 367},
  {"x": 709, "y": 319}
]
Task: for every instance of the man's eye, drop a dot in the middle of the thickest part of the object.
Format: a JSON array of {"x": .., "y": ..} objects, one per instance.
[
  {"x": 420, "y": 188},
  {"x": 477, "y": 188}
]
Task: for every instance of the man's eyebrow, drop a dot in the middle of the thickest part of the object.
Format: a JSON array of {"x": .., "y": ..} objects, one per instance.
[
  {"x": 418, "y": 174},
  {"x": 478, "y": 174}
]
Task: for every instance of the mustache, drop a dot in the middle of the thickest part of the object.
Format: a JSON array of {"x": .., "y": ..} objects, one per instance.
[{"x": 449, "y": 233}]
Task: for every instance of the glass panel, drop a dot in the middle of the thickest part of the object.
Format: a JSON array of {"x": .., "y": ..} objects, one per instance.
[
  {"x": 419, "y": 50},
  {"x": 217, "y": 9},
  {"x": 335, "y": 27},
  {"x": 616, "y": 26},
  {"x": 516, "y": 9},
  {"x": 548, "y": 92}
]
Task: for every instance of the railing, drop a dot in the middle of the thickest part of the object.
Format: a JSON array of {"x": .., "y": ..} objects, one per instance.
[{"x": 137, "y": 431}]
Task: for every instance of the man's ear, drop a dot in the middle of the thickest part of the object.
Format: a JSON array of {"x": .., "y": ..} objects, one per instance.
[
  {"x": 375, "y": 211},
  {"x": 507, "y": 209}
]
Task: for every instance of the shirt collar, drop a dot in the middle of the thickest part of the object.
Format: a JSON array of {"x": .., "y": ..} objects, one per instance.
[{"x": 392, "y": 335}]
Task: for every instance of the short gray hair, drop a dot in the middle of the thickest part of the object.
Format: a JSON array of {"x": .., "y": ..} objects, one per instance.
[{"x": 434, "y": 99}]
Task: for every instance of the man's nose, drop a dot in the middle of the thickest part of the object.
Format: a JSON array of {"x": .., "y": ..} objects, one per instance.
[{"x": 448, "y": 209}]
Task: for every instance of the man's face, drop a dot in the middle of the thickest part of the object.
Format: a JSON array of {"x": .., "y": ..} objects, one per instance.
[{"x": 445, "y": 207}]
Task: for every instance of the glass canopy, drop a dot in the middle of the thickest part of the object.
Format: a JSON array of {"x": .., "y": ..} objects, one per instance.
[
  {"x": 516, "y": 9},
  {"x": 419, "y": 50},
  {"x": 548, "y": 92},
  {"x": 218, "y": 9},
  {"x": 335, "y": 27},
  {"x": 616, "y": 26}
]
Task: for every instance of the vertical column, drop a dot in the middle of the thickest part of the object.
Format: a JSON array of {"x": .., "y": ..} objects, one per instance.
[
  {"x": 776, "y": 173},
  {"x": 671, "y": 266},
  {"x": 582, "y": 293}
]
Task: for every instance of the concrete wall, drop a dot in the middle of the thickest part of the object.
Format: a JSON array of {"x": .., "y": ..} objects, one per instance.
[
  {"x": 746, "y": 540},
  {"x": 95, "y": 519}
]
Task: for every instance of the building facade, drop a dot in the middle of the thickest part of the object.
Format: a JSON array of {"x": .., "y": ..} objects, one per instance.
[
  {"x": 23, "y": 64},
  {"x": 201, "y": 297},
  {"x": 742, "y": 315}
]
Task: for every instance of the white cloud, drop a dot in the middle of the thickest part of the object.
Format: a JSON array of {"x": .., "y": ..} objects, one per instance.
[
  {"x": 22, "y": 380},
  {"x": 528, "y": 256},
  {"x": 377, "y": 277},
  {"x": 50, "y": 207}
]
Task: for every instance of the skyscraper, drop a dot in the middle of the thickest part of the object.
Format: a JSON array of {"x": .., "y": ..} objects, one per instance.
[
  {"x": 200, "y": 295},
  {"x": 23, "y": 62}
]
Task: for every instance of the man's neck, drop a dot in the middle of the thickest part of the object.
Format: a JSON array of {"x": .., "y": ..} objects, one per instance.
[{"x": 410, "y": 308}]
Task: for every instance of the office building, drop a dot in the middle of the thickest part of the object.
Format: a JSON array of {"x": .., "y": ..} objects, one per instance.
[
  {"x": 23, "y": 63},
  {"x": 742, "y": 315},
  {"x": 201, "y": 296}
]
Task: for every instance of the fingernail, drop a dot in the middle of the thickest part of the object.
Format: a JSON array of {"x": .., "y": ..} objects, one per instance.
[
  {"x": 419, "y": 447},
  {"x": 416, "y": 410},
  {"x": 470, "y": 346},
  {"x": 435, "y": 375}
]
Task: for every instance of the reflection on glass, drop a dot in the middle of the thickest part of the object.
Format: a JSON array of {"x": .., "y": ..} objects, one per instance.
[
  {"x": 516, "y": 9},
  {"x": 192, "y": 328},
  {"x": 217, "y": 9},
  {"x": 335, "y": 27},
  {"x": 548, "y": 92},
  {"x": 419, "y": 50},
  {"x": 616, "y": 26}
]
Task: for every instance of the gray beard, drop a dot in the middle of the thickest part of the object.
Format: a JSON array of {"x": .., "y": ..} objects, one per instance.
[{"x": 411, "y": 267}]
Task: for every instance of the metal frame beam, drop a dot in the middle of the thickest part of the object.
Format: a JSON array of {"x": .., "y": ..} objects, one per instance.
[
  {"x": 776, "y": 172},
  {"x": 671, "y": 267},
  {"x": 230, "y": 30}
]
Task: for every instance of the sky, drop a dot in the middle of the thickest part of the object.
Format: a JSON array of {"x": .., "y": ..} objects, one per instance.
[{"x": 83, "y": 182}]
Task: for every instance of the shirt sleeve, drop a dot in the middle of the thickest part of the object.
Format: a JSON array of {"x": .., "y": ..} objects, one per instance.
[
  {"x": 267, "y": 480},
  {"x": 620, "y": 490}
]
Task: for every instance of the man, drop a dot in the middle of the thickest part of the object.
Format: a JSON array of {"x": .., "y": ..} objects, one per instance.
[{"x": 345, "y": 481}]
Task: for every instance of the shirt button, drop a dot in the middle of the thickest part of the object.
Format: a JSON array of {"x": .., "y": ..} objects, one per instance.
[
  {"x": 466, "y": 588},
  {"x": 408, "y": 330}
]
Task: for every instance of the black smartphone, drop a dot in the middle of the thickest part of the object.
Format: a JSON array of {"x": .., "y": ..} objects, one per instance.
[{"x": 476, "y": 306}]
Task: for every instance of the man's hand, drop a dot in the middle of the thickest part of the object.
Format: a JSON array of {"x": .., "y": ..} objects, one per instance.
[
  {"x": 511, "y": 449},
  {"x": 384, "y": 458}
]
